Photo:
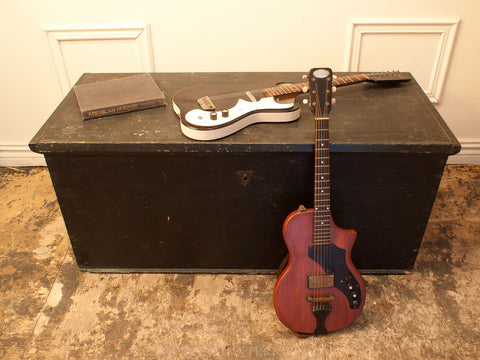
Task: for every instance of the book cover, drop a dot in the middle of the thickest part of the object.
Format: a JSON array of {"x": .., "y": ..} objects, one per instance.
[{"x": 110, "y": 97}]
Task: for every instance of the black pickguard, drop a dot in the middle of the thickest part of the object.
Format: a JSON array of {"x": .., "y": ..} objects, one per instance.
[{"x": 332, "y": 260}]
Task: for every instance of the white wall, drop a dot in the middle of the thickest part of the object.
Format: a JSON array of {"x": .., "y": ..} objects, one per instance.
[{"x": 46, "y": 45}]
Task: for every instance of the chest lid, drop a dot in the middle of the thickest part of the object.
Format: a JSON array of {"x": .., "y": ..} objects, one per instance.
[{"x": 366, "y": 118}]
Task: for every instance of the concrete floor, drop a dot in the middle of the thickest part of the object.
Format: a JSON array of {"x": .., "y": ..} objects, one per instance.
[{"x": 50, "y": 310}]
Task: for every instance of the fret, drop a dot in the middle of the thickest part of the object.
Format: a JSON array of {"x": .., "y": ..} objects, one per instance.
[
  {"x": 285, "y": 89},
  {"x": 326, "y": 242},
  {"x": 324, "y": 236},
  {"x": 349, "y": 80}
]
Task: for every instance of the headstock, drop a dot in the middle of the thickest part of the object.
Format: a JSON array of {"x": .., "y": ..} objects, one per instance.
[
  {"x": 387, "y": 77},
  {"x": 320, "y": 83}
]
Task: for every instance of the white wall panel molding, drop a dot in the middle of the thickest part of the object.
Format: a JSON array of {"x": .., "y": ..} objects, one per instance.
[
  {"x": 19, "y": 155},
  {"x": 443, "y": 30},
  {"x": 470, "y": 153},
  {"x": 57, "y": 36}
]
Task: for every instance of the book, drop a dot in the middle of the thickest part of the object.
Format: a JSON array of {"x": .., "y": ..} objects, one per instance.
[{"x": 110, "y": 97}]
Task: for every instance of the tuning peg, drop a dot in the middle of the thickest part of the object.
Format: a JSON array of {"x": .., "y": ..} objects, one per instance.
[
  {"x": 334, "y": 101},
  {"x": 305, "y": 89},
  {"x": 305, "y": 101},
  {"x": 334, "y": 89},
  {"x": 304, "y": 76},
  {"x": 334, "y": 76}
]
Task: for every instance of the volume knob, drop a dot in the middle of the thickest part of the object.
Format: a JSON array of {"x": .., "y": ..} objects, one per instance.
[
  {"x": 213, "y": 115},
  {"x": 224, "y": 113}
]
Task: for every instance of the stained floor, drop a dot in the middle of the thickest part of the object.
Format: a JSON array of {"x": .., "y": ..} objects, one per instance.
[{"x": 50, "y": 310}]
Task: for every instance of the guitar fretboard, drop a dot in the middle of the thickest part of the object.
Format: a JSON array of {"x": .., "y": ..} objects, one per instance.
[
  {"x": 321, "y": 233},
  {"x": 299, "y": 88}
]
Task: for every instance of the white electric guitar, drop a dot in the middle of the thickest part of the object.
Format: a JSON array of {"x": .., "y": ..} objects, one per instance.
[{"x": 223, "y": 112}]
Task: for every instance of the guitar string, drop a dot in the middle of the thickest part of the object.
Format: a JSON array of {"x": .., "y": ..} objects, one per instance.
[
  {"x": 299, "y": 87},
  {"x": 321, "y": 223},
  {"x": 327, "y": 154},
  {"x": 317, "y": 230},
  {"x": 319, "y": 150},
  {"x": 318, "y": 248},
  {"x": 315, "y": 214},
  {"x": 327, "y": 168}
]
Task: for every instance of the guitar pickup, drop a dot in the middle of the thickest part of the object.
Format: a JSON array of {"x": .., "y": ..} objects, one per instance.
[
  {"x": 206, "y": 103},
  {"x": 320, "y": 281}
]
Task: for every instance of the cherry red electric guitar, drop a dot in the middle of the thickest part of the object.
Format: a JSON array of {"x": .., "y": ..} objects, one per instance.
[{"x": 319, "y": 290}]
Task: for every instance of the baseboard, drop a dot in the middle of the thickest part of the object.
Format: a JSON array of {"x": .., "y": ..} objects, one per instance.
[
  {"x": 470, "y": 153},
  {"x": 19, "y": 155}
]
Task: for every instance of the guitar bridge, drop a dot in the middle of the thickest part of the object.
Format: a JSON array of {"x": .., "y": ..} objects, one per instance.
[
  {"x": 320, "y": 299},
  {"x": 320, "y": 281}
]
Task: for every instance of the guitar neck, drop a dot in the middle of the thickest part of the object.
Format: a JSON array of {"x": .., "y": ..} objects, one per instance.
[
  {"x": 300, "y": 88},
  {"x": 321, "y": 234}
]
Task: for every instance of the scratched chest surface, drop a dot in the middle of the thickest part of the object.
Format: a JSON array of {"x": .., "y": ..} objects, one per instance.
[{"x": 136, "y": 194}]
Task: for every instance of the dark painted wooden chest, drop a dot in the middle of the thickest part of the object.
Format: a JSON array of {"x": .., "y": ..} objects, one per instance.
[{"x": 137, "y": 195}]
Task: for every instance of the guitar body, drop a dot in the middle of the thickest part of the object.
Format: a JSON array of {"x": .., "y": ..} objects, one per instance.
[
  {"x": 234, "y": 110},
  {"x": 292, "y": 289}
]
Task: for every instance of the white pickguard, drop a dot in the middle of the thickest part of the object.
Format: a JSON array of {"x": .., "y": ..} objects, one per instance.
[
  {"x": 199, "y": 117},
  {"x": 216, "y": 129}
]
